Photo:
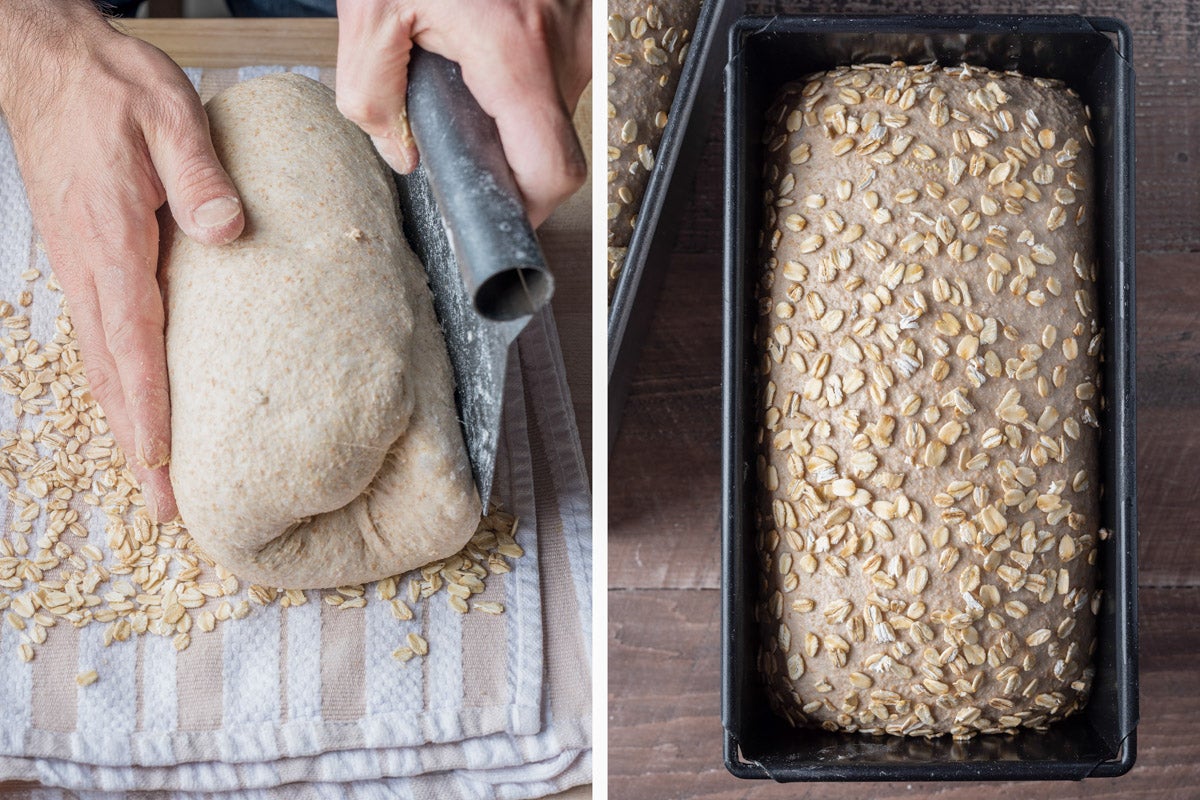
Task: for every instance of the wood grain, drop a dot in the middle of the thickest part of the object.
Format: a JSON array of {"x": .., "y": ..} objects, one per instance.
[
  {"x": 239, "y": 42},
  {"x": 664, "y": 474},
  {"x": 665, "y": 732},
  {"x": 1168, "y": 372}
]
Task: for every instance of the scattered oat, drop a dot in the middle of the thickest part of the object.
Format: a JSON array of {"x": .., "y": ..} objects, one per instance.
[
  {"x": 418, "y": 644},
  {"x": 489, "y": 607}
]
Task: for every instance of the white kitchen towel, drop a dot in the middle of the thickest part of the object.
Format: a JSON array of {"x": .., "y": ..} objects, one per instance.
[{"x": 310, "y": 694}]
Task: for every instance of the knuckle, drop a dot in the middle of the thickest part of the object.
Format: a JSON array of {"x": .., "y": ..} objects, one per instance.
[
  {"x": 389, "y": 14},
  {"x": 144, "y": 58},
  {"x": 103, "y": 383},
  {"x": 198, "y": 176},
  {"x": 174, "y": 109},
  {"x": 554, "y": 194},
  {"x": 570, "y": 173},
  {"x": 574, "y": 174},
  {"x": 122, "y": 335},
  {"x": 359, "y": 109},
  {"x": 529, "y": 26}
]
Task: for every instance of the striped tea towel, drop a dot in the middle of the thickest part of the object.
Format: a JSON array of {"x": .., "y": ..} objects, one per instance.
[{"x": 305, "y": 700}]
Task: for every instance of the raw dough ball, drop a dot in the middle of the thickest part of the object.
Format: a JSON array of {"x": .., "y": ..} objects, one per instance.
[{"x": 315, "y": 440}]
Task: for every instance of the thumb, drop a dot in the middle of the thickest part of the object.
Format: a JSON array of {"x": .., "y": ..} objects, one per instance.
[{"x": 203, "y": 199}]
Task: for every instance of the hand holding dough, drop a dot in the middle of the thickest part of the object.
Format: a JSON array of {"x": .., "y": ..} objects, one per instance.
[{"x": 315, "y": 437}]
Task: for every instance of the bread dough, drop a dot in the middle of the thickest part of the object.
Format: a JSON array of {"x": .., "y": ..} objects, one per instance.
[
  {"x": 930, "y": 396},
  {"x": 315, "y": 441},
  {"x": 647, "y": 47}
]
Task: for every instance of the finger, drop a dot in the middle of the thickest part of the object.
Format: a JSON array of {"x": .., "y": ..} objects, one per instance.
[
  {"x": 575, "y": 57},
  {"x": 131, "y": 317},
  {"x": 374, "y": 45},
  {"x": 121, "y": 259},
  {"x": 105, "y": 385},
  {"x": 537, "y": 134},
  {"x": 201, "y": 195},
  {"x": 515, "y": 84}
]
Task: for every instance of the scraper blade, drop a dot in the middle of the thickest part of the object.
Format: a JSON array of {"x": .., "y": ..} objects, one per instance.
[{"x": 464, "y": 217}]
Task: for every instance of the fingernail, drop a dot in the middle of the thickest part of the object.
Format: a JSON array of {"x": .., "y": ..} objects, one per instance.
[
  {"x": 396, "y": 156},
  {"x": 217, "y": 212},
  {"x": 151, "y": 501},
  {"x": 389, "y": 152}
]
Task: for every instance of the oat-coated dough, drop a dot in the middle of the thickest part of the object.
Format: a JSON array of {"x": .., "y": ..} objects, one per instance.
[
  {"x": 930, "y": 396},
  {"x": 647, "y": 46},
  {"x": 315, "y": 441}
]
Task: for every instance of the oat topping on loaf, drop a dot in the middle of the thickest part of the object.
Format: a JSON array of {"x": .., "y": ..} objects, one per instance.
[
  {"x": 647, "y": 47},
  {"x": 930, "y": 394}
]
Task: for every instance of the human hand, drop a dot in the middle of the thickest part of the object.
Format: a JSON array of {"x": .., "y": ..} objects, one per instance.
[
  {"x": 106, "y": 128},
  {"x": 525, "y": 61}
]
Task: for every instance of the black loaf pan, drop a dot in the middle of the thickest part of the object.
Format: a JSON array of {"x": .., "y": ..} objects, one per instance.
[
  {"x": 1092, "y": 56},
  {"x": 665, "y": 200}
]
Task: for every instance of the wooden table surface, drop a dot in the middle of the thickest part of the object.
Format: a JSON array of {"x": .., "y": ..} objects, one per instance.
[
  {"x": 566, "y": 236},
  {"x": 664, "y": 487}
]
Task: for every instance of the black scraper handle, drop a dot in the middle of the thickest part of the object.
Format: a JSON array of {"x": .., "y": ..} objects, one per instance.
[{"x": 501, "y": 261}]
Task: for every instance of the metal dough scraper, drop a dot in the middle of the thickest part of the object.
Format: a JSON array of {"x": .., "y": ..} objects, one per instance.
[{"x": 464, "y": 217}]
